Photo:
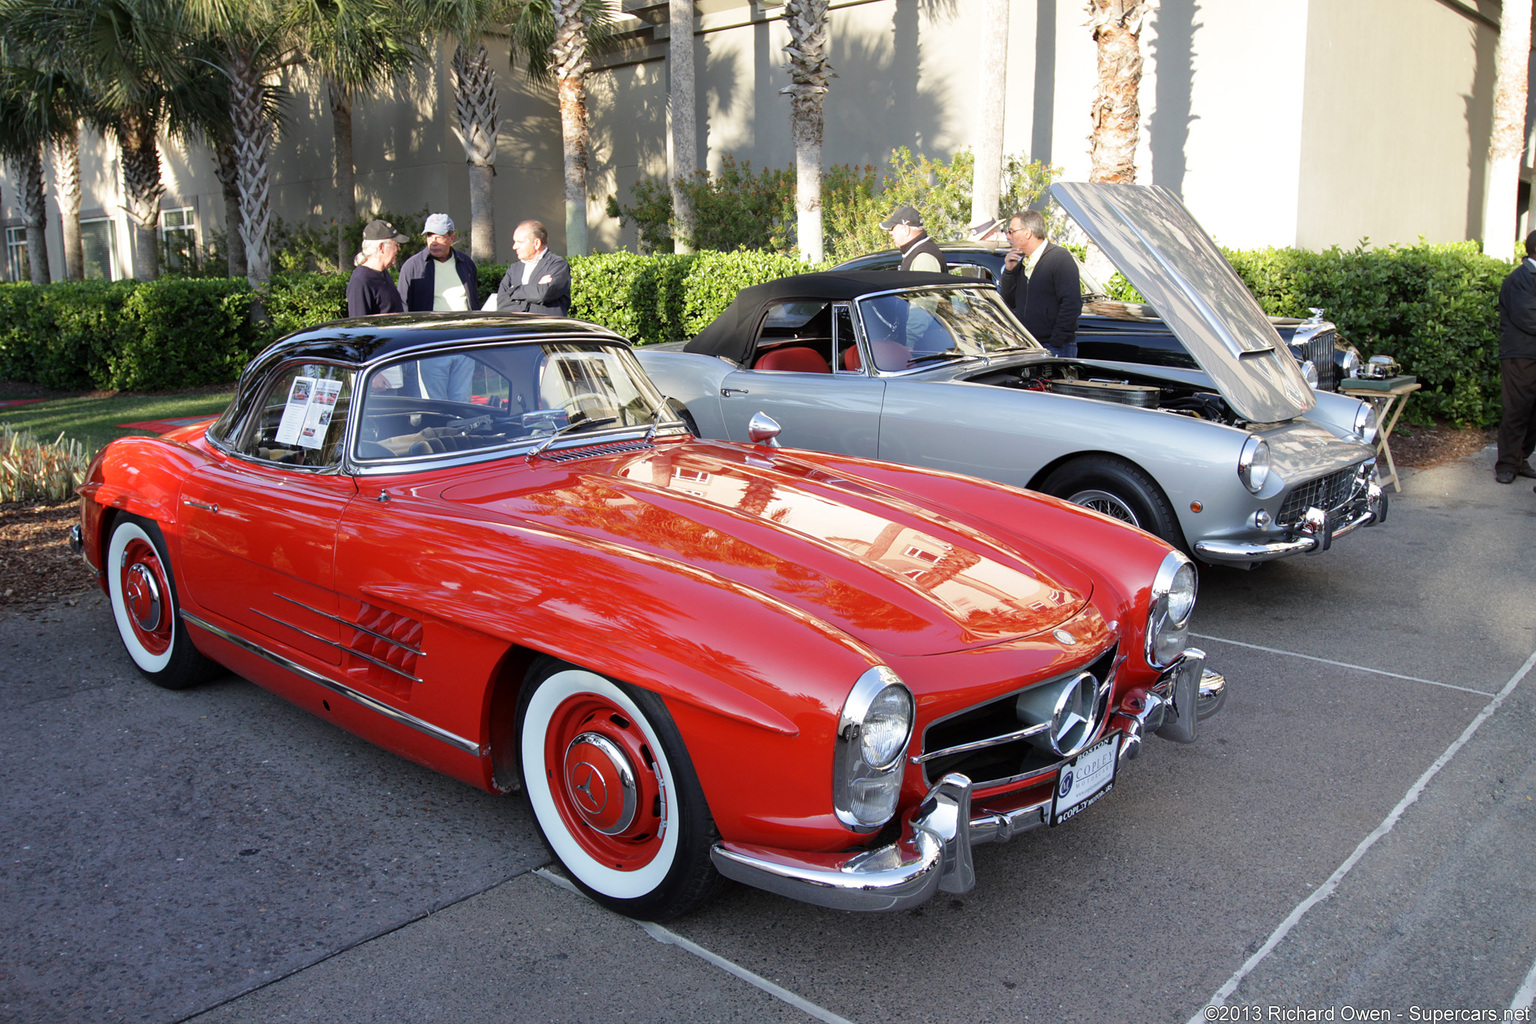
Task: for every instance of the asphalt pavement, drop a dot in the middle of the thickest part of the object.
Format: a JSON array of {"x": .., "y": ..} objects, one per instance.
[{"x": 1351, "y": 839}]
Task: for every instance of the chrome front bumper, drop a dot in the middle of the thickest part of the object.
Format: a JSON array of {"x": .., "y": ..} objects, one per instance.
[
  {"x": 934, "y": 852},
  {"x": 1317, "y": 532}
]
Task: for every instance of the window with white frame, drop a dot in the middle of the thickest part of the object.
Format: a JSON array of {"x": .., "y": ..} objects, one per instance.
[
  {"x": 16, "y": 266},
  {"x": 178, "y": 236},
  {"x": 98, "y": 244}
]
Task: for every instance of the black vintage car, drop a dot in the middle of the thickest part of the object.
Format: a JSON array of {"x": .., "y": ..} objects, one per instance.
[{"x": 1132, "y": 332}]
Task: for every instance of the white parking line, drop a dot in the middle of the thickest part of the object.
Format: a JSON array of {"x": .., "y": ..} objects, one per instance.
[
  {"x": 1344, "y": 664},
  {"x": 1527, "y": 993},
  {"x": 670, "y": 938},
  {"x": 1325, "y": 890}
]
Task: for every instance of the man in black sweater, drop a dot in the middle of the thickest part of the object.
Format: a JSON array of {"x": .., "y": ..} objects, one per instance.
[
  {"x": 1040, "y": 284},
  {"x": 1517, "y": 368}
]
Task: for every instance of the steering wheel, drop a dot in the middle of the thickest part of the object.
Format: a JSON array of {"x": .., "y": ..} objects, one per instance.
[{"x": 464, "y": 425}]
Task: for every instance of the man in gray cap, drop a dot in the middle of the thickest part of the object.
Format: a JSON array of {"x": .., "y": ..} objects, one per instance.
[
  {"x": 918, "y": 251},
  {"x": 440, "y": 277}
]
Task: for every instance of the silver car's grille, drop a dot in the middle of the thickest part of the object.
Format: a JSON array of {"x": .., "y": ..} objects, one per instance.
[
  {"x": 1329, "y": 493},
  {"x": 985, "y": 742},
  {"x": 1318, "y": 349}
]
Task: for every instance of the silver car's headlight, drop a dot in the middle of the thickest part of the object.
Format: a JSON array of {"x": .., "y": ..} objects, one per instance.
[
  {"x": 1253, "y": 463},
  {"x": 1173, "y": 601},
  {"x": 1365, "y": 422},
  {"x": 872, "y": 736},
  {"x": 1309, "y": 371},
  {"x": 1349, "y": 362}
]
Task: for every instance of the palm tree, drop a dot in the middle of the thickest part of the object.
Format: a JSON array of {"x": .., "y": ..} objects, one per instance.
[
  {"x": 37, "y": 107},
  {"x": 987, "y": 175},
  {"x": 684, "y": 134},
  {"x": 1507, "y": 144},
  {"x": 1116, "y": 27},
  {"x": 809, "y": 71},
  {"x": 355, "y": 45},
  {"x": 559, "y": 37},
  {"x": 123, "y": 54}
]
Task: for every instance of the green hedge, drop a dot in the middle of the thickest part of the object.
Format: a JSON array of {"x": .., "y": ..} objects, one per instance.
[{"x": 1430, "y": 306}]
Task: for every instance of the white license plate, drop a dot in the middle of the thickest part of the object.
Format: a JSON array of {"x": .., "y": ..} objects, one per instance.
[{"x": 1085, "y": 779}]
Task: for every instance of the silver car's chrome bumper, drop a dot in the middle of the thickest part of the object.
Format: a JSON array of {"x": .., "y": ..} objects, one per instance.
[
  {"x": 1317, "y": 532},
  {"x": 934, "y": 852}
]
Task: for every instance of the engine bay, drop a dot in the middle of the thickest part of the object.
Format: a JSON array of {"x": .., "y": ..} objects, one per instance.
[{"x": 1093, "y": 383}]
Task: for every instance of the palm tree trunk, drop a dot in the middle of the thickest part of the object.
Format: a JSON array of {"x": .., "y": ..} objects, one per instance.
[
  {"x": 987, "y": 177},
  {"x": 476, "y": 109},
  {"x": 1116, "y": 113},
  {"x": 28, "y": 172},
  {"x": 143, "y": 188},
  {"x": 809, "y": 71},
  {"x": 684, "y": 129},
  {"x": 345, "y": 173},
  {"x": 571, "y": 63},
  {"x": 227, "y": 170},
  {"x": 1507, "y": 143},
  {"x": 253, "y": 140},
  {"x": 66, "y": 182}
]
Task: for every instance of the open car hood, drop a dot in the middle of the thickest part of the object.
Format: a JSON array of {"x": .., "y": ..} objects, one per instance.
[{"x": 1164, "y": 253}]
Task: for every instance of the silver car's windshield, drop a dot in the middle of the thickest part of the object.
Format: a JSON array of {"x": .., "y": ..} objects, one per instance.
[{"x": 935, "y": 324}]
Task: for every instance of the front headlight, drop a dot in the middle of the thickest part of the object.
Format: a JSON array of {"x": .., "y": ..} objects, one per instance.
[
  {"x": 1253, "y": 463},
  {"x": 1365, "y": 422},
  {"x": 1348, "y": 359},
  {"x": 1309, "y": 372},
  {"x": 1173, "y": 601},
  {"x": 872, "y": 736}
]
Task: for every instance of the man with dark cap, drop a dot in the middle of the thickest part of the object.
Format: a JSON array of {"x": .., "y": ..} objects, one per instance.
[
  {"x": 371, "y": 290},
  {"x": 1517, "y": 369},
  {"x": 918, "y": 251}
]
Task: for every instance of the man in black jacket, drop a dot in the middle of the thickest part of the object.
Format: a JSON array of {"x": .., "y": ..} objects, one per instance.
[
  {"x": 538, "y": 281},
  {"x": 440, "y": 277},
  {"x": 1517, "y": 368},
  {"x": 1040, "y": 283}
]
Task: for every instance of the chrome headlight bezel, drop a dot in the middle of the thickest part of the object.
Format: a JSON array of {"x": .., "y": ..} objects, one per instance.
[
  {"x": 1253, "y": 463},
  {"x": 1169, "y": 609},
  {"x": 1366, "y": 422},
  {"x": 874, "y": 731},
  {"x": 1309, "y": 373}
]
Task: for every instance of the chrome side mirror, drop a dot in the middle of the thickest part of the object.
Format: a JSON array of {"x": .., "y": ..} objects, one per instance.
[{"x": 763, "y": 429}]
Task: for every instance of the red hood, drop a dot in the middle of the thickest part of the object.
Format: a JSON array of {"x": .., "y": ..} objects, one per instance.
[{"x": 879, "y": 566}]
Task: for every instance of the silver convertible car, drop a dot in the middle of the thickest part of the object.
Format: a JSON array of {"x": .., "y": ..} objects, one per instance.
[{"x": 1238, "y": 462}]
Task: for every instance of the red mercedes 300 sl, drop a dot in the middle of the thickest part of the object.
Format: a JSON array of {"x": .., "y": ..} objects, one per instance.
[{"x": 825, "y": 676}]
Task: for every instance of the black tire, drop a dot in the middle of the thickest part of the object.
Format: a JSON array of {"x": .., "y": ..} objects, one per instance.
[
  {"x": 142, "y": 589},
  {"x": 647, "y": 856},
  {"x": 1119, "y": 490}
]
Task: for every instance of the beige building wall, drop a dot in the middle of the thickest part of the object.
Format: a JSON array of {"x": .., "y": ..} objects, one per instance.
[{"x": 1281, "y": 122}]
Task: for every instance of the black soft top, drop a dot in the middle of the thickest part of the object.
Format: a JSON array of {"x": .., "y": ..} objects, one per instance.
[{"x": 734, "y": 331}]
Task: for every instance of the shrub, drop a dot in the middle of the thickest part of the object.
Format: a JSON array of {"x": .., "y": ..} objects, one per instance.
[
  {"x": 33, "y": 471},
  {"x": 190, "y": 331}
]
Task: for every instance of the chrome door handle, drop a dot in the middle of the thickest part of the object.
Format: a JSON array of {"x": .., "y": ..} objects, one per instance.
[
  {"x": 728, "y": 392},
  {"x": 199, "y": 504}
]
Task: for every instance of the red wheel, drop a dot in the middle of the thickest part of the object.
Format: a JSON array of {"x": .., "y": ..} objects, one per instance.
[
  {"x": 144, "y": 606},
  {"x": 614, "y": 792}
]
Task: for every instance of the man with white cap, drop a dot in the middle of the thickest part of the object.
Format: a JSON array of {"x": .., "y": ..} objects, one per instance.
[
  {"x": 440, "y": 277},
  {"x": 988, "y": 229}
]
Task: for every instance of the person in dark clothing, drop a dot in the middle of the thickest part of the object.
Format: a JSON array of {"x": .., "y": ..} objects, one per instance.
[
  {"x": 918, "y": 251},
  {"x": 371, "y": 290},
  {"x": 1517, "y": 369},
  {"x": 1041, "y": 284},
  {"x": 441, "y": 278},
  {"x": 540, "y": 281}
]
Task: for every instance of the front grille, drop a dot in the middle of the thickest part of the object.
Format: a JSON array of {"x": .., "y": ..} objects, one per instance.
[
  {"x": 986, "y": 724},
  {"x": 594, "y": 450},
  {"x": 1318, "y": 349},
  {"x": 1329, "y": 493}
]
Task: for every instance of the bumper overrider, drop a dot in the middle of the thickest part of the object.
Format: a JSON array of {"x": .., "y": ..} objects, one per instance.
[
  {"x": 934, "y": 852},
  {"x": 1316, "y": 532}
]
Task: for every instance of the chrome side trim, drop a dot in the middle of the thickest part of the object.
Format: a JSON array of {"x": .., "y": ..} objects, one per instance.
[
  {"x": 379, "y": 707},
  {"x": 349, "y": 624},
  {"x": 340, "y": 647}
]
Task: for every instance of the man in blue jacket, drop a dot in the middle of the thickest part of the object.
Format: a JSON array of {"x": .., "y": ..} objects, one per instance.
[
  {"x": 440, "y": 277},
  {"x": 1517, "y": 369},
  {"x": 539, "y": 281}
]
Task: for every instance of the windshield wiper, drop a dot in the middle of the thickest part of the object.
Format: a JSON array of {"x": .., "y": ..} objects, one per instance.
[{"x": 566, "y": 430}]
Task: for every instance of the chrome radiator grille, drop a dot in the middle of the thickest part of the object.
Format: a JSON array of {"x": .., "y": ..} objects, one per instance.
[
  {"x": 1328, "y": 493},
  {"x": 1318, "y": 349},
  {"x": 982, "y": 741}
]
